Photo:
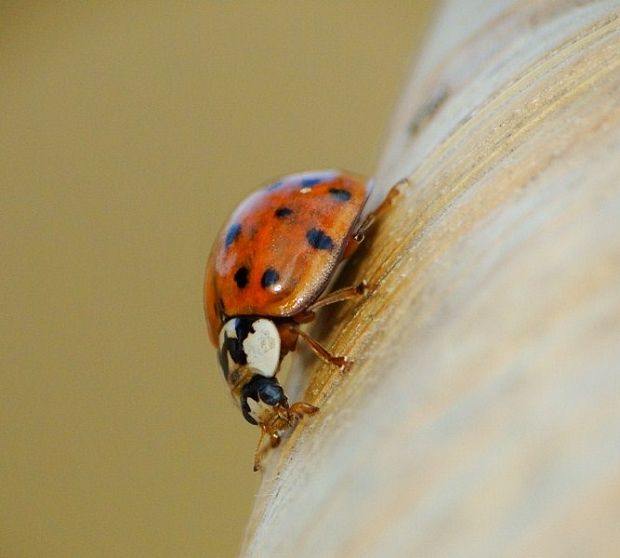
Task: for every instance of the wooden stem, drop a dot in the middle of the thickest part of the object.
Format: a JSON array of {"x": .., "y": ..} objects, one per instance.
[{"x": 482, "y": 415}]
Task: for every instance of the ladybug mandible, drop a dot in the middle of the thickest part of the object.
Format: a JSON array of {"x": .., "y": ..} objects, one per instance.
[{"x": 265, "y": 276}]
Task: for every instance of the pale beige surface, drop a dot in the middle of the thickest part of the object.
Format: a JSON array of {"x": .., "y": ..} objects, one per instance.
[
  {"x": 482, "y": 415},
  {"x": 127, "y": 131}
]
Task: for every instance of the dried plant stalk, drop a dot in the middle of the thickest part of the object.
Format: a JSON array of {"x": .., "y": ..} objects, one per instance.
[{"x": 482, "y": 416}]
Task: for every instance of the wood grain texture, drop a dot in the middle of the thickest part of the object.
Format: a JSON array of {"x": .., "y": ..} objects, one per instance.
[{"x": 482, "y": 416}]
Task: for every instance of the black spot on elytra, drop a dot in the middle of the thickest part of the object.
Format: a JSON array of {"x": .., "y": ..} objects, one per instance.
[
  {"x": 319, "y": 240},
  {"x": 282, "y": 212},
  {"x": 311, "y": 181},
  {"x": 232, "y": 234},
  {"x": 242, "y": 276},
  {"x": 269, "y": 278},
  {"x": 274, "y": 186},
  {"x": 340, "y": 194}
]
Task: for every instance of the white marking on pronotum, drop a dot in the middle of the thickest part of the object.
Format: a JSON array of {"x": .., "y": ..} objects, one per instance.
[
  {"x": 229, "y": 330},
  {"x": 262, "y": 347}
]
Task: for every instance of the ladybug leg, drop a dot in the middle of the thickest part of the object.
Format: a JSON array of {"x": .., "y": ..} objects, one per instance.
[
  {"x": 353, "y": 245},
  {"x": 341, "y": 362},
  {"x": 340, "y": 295},
  {"x": 301, "y": 408},
  {"x": 370, "y": 219},
  {"x": 284, "y": 417},
  {"x": 385, "y": 205},
  {"x": 274, "y": 442}
]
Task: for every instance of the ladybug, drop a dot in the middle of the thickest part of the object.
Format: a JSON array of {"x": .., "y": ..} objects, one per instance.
[{"x": 266, "y": 275}]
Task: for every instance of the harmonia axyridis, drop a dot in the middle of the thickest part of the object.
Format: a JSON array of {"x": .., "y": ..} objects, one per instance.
[{"x": 265, "y": 275}]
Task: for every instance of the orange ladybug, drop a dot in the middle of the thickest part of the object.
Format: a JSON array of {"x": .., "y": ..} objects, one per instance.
[{"x": 265, "y": 276}]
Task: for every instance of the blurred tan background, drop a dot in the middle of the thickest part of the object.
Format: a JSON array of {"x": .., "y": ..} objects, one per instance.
[{"x": 128, "y": 131}]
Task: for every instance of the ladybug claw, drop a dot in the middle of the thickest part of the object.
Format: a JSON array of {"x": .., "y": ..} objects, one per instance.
[
  {"x": 347, "y": 364},
  {"x": 342, "y": 362},
  {"x": 274, "y": 442},
  {"x": 362, "y": 287}
]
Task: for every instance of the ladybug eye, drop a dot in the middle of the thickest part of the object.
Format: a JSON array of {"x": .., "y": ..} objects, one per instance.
[{"x": 270, "y": 392}]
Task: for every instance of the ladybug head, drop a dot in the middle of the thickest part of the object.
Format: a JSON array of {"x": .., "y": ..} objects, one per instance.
[
  {"x": 261, "y": 398},
  {"x": 249, "y": 343}
]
